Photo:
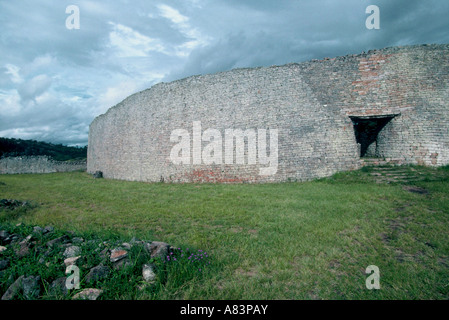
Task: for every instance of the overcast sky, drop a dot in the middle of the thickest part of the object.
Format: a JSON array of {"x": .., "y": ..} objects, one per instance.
[{"x": 54, "y": 81}]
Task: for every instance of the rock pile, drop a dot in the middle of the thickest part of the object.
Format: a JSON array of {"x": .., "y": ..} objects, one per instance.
[
  {"x": 66, "y": 250},
  {"x": 11, "y": 203}
]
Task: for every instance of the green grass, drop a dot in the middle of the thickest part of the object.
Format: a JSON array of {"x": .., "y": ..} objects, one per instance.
[{"x": 309, "y": 240}]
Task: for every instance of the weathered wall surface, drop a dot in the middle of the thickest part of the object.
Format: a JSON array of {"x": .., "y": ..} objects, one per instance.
[
  {"x": 38, "y": 164},
  {"x": 410, "y": 81},
  {"x": 310, "y": 104}
]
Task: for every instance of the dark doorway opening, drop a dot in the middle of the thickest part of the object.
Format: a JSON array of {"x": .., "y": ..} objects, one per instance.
[{"x": 366, "y": 129}]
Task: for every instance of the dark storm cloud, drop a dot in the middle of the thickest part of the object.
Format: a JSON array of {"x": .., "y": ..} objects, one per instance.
[
  {"x": 54, "y": 81},
  {"x": 278, "y": 32}
]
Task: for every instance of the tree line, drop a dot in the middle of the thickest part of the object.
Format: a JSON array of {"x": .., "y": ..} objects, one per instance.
[{"x": 11, "y": 147}]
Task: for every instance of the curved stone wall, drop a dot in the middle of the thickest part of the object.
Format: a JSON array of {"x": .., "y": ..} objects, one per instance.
[{"x": 309, "y": 109}]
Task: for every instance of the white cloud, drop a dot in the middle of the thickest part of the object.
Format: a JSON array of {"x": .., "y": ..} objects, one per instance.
[
  {"x": 172, "y": 14},
  {"x": 13, "y": 71},
  {"x": 39, "y": 64},
  {"x": 23, "y": 133},
  {"x": 33, "y": 88},
  {"x": 114, "y": 95},
  {"x": 181, "y": 23},
  {"x": 9, "y": 104},
  {"x": 131, "y": 43}
]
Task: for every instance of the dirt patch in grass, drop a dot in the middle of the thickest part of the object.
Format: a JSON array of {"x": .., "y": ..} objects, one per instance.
[
  {"x": 402, "y": 257},
  {"x": 335, "y": 267},
  {"x": 415, "y": 189},
  {"x": 236, "y": 229},
  {"x": 249, "y": 273},
  {"x": 444, "y": 260},
  {"x": 395, "y": 228}
]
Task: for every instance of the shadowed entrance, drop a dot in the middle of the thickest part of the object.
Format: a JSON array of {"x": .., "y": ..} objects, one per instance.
[{"x": 366, "y": 130}]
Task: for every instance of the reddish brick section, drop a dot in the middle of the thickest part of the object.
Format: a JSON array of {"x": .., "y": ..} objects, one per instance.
[
  {"x": 370, "y": 69},
  {"x": 210, "y": 176}
]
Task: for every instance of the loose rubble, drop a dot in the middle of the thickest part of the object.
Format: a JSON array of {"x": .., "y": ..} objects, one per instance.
[{"x": 67, "y": 250}]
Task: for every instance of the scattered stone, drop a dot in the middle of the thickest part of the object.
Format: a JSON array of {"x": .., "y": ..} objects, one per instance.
[
  {"x": 3, "y": 235},
  {"x": 98, "y": 175},
  {"x": 91, "y": 242},
  {"x": 4, "y": 264},
  {"x": 48, "y": 229},
  {"x": 97, "y": 273},
  {"x": 135, "y": 240},
  {"x": 23, "y": 251},
  {"x": 11, "y": 204},
  {"x": 59, "y": 240},
  {"x": 118, "y": 254},
  {"x": 13, "y": 238},
  {"x": 24, "y": 247},
  {"x": 148, "y": 273},
  {"x": 31, "y": 287},
  {"x": 13, "y": 289},
  {"x": 38, "y": 230},
  {"x": 39, "y": 249},
  {"x": 157, "y": 249},
  {"x": 126, "y": 245},
  {"x": 71, "y": 261},
  {"x": 77, "y": 240},
  {"x": 122, "y": 263},
  {"x": 58, "y": 287},
  {"x": 44, "y": 255},
  {"x": 72, "y": 251},
  {"x": 104, "y": 253},
  {"x": 88, "y": 294}
]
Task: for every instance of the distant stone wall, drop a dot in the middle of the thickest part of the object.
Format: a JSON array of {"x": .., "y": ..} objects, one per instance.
[
  {"x": 315, "y": 106},
  {"x": 38, "y": 164}
]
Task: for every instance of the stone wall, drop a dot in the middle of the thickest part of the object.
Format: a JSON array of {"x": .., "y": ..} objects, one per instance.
[
  {"x": 312, "y": 105},
  {"x": 38, "y": 164}
]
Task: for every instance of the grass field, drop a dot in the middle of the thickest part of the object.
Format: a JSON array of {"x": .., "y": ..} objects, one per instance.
[{"x": 309, "y": 240}]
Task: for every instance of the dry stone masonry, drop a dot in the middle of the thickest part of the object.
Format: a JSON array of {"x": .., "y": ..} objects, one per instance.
[
  {"x": 391, "y": 104},
  {"x": 38, "y": 164}
]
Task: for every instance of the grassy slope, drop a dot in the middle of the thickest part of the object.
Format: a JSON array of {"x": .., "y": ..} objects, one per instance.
[{"x": 309, "y": 240}]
